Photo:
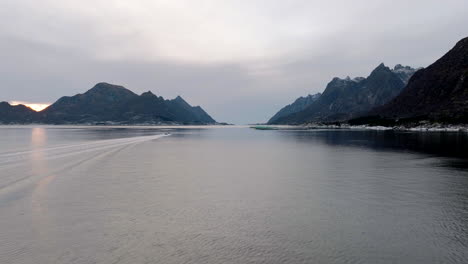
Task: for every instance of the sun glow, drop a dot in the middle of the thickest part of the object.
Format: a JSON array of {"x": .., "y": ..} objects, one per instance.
[{"x": 34, "y": 106}]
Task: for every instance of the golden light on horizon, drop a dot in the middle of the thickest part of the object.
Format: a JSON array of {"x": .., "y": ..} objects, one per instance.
[{"x": 34, "y": 106}]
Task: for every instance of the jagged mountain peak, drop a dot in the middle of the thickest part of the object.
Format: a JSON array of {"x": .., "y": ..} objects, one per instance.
[
  {"x": 179, "y": 100},
  {"x": 400, "y": 67},
  {"x": 381, "y": 68},
  {"x": 345, "y": 98},
  {"x": 347, "y": 79},
  {"x": 337, "y": 82},
  {"x": 404, "y": 72},
  {"x": 438, "y": 92},
  {"x": 110, "y": 103},
  {"x": 148, "y": 93}
]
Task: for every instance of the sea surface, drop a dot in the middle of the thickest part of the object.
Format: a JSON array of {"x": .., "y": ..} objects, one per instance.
[{"x": 231, "y": 195}]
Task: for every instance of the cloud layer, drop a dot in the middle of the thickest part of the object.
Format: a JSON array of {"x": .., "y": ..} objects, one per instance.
[{"x": 240, "y": 60}]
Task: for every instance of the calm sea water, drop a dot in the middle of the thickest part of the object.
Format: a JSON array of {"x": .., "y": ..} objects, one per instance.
[{"x": 231, "y": 195}]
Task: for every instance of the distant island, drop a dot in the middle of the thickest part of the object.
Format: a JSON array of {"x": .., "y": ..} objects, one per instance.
[
  {"x": 402, "y": 96},
  {"x": 108, "y": 104}
]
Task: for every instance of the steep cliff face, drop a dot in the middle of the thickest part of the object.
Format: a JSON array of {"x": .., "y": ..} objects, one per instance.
[{"x": 438, "y": 92}]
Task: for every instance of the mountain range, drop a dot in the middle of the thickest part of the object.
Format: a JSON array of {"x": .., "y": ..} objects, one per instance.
[
  {"x": 109, "y": 104},
  {"x": 438, "y": 93},
  {"x": 346, "y": 98}
]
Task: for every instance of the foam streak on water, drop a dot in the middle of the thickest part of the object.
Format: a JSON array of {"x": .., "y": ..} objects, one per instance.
[
  {"x": 13, "y": 164},
  {"x": 12, "y": 158}
]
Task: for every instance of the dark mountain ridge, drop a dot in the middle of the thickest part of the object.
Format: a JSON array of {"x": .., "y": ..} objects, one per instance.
[
  {"x": 18, "y": 114},
  {"x": 347, "y": 98},
  {"x": 298, "y": 105},
  {"x": 108, "y": 103},
  {"x": 436, "y": 93},
  {"x": 95, "y": 105},
  {"x": 151, "y": 108}
]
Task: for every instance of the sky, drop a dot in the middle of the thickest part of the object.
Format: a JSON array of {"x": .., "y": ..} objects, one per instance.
[{"x": 241, "y": 60}]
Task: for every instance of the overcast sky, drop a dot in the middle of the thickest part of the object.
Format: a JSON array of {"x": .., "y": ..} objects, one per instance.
[{"x": 241, "y": 60}]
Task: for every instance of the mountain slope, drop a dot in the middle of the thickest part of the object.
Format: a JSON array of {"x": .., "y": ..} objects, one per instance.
[
  {"x": 16, "y": 114},
  {"x": 191, "y": 113},
  {"x": 149, "y": 108},
  {"x": 112, "y": 103},
  {"x": 347, "y": 98},
  {"x": 438, "y": 92},
  {"x": 97, "y": 104},
  {"x": 300, "y": 104}
]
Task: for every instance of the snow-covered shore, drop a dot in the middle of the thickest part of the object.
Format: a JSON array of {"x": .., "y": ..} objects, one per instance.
[{"x": 418, "y": 128}]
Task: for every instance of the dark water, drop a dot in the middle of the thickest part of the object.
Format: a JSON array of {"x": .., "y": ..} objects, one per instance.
[{"x": 231, "y": 195}]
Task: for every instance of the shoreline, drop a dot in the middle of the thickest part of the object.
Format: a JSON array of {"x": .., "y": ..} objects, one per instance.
[
  {"x": 113, "y": 124},
  {"x": 420, "y": 128}
]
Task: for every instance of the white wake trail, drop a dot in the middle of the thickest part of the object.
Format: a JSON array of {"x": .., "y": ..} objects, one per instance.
[
  {"x": 17, "y": 169},
  {"x": 18, "y": 158}
]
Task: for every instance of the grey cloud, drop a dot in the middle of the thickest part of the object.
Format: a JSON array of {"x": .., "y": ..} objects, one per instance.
[{"x": 240, "y": 60}]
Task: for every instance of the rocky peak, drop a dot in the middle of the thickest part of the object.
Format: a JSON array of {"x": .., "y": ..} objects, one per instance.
[
  {"x": 404, "y": 72},
  {"x": 181, "y": 101},
  {"x": 401, "y": 68},
  {"x": 438, "y": 92},
  {"x": 380, "y": 68},
  {"x": 338, "y": 82},
  {"x": 359, "y": 79},
  {"x": 148, "y": 94},
  {"x": 179, "y": 98}
]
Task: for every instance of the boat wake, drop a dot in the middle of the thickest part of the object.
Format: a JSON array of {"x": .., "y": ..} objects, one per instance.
[
  {"x": 19, "y": 168},
  {"x": 17, "y": 158}
]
